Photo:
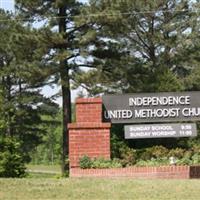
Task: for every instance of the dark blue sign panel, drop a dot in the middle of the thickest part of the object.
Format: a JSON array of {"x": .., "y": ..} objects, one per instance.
[{"x": 152, "y": 107}]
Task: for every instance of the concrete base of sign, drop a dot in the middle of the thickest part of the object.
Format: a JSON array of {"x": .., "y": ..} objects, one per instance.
[{"x": 163, "y": 172}]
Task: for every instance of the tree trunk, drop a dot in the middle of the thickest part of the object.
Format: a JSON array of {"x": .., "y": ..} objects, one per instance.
[
  {"x": 66, "y": 94},
  {"x": 9, "y": 114},
  {"x": 66, "y": 97}
]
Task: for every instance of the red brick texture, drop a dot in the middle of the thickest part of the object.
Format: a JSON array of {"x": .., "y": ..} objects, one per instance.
[
  {"x": 89, "y": 110},
  {"x": 163, "y": 172},
  {"x": 88, "y": 136}
]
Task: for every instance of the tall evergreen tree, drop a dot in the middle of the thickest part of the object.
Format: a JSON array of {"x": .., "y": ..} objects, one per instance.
[
  {"x": 62, "y": 37},
  {"x": 20, "y": 99},
  {"x": 145, "y": 46}
]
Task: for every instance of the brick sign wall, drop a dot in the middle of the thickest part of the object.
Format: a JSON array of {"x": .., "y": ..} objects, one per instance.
[{"x": 88, "y": 136}]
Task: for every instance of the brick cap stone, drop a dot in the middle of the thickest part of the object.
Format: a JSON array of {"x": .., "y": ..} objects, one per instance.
[
  {"x": 88, "y": 125},
  {"x": 89, "y": 100}
]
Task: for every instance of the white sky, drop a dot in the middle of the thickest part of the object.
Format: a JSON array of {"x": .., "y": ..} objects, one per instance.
[{"x": 7, "y": 4}]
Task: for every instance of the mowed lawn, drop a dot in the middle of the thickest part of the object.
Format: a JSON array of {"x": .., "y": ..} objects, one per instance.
[
  {"x": 52, "y": 168},
  {"x": 71, "y": 188}
]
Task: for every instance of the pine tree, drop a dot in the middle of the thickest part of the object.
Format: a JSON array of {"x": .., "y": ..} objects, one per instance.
[
  {"x": 20, "y": 99},
  {"x": 146, "y": 46},
  {"x": 65, "y": 38}
]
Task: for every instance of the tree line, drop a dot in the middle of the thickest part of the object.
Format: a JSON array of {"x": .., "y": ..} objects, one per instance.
[{"x": 103, "y": 46}]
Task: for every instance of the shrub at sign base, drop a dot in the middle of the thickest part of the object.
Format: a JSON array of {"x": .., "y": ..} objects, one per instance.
[{"x": 98, "y": 163}]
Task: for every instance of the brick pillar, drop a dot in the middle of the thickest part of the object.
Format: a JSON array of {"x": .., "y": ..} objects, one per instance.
[{"x": 88, "y": 136}]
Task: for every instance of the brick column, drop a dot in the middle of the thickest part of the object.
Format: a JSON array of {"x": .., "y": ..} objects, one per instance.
[{"x": 88, "y": 136}]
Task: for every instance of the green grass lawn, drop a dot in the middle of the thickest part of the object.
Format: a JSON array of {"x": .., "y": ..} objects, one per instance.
[
  {"x": 71, "y": 188},
  {"x": 51, "y": 168},
  {"x": 43, "y": 171}
]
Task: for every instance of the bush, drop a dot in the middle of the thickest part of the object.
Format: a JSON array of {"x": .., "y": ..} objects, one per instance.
[
  {"x": 101, "y": 163},
  {"x": 85, "y": 162},
  {"x": 184, "y": 161},
  {"x": 196, "y": 148},
  {"x": 153, "y": 162},
  {"x": 195, "y": 158},
  {"x": 177, "y": 153},
  {"x": 128, "y": 156},
  {"x": 11, "y": 158},
  {"x": 98, "y": 163},
  {"x": 159, "y": 151},
  {"x": 153, "y": 156},
  {"x": 156, "y": 152}
]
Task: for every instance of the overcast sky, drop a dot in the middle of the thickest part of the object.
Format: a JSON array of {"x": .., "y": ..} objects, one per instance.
[{"x": 9, "y": 4}]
